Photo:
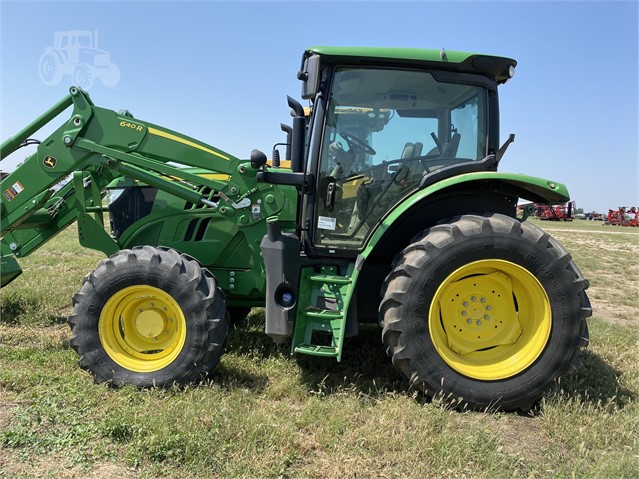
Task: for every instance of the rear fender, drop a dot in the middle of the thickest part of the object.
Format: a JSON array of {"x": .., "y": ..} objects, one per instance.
[
  {"x": 507, "y": 187},
  {"x": 471, "y": 193}
]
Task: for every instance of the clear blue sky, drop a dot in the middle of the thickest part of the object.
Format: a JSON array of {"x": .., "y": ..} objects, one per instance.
[{"x": 220, "y": 71}]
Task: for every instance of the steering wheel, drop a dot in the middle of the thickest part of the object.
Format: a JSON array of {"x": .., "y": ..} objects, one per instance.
[{"x": 353, "y": 141}]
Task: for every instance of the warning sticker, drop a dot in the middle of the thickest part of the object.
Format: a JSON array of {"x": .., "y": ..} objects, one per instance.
[
  {"x": 326, "y": 223},
  {"x": 13, "y": 191}
]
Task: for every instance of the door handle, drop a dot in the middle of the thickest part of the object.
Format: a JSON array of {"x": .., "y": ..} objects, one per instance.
[{"x": 330, "y": 196}]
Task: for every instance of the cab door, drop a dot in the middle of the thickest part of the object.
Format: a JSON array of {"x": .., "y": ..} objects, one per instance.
[{"x": 383, "y": 130}]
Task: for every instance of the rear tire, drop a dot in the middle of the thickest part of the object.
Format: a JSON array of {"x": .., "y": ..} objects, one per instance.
[
  {"x": 148, "y": 317},
  {"x": 484, "y": 312}
]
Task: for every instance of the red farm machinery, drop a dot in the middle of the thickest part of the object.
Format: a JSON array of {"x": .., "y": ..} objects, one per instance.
[
  {"x": 623, "y": 216},
  {"x": 558, "y": 212}
]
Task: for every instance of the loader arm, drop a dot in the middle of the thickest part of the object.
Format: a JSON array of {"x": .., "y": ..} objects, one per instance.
[{"x": 65, "y": 179}]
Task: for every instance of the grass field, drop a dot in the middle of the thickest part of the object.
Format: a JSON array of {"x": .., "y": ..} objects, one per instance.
[{"x": 264, "y": 413}]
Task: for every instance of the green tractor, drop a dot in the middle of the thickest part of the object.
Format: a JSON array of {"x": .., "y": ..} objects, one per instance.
[{"x": 390, "y": 211}]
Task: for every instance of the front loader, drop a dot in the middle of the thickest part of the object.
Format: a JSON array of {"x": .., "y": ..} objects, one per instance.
[{"x": 393, "y": 212}]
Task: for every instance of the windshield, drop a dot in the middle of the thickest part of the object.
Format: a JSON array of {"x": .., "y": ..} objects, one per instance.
[{"x": 385, "y": 129}]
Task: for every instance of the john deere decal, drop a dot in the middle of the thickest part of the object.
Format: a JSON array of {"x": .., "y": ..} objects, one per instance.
[{"x": 50, "y": 161}]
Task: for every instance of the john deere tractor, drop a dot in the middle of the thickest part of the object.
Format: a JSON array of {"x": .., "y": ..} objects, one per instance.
[{"x": 390, "y": 211}]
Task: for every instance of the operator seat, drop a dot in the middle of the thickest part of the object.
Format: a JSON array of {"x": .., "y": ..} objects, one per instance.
[
  {"x": 408, "y": 150},
  {"x": 417, "y": 150},
  {"x": 449, "y": 150},
  {"x": 409, "y": 168}
]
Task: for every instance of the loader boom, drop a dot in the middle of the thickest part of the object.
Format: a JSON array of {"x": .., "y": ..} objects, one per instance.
[{"x": 92, "y": 149}]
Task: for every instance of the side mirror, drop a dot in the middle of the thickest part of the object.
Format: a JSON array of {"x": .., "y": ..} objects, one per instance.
[
  {"x": 298, "y": 136},
  {"x": 309, "y": 74},
  {"x": 258, "y": 159}
]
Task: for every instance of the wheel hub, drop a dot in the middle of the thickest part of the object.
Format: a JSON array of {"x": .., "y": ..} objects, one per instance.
[
  {"x": 490, "y": 319},
  {"x": 142, "y": 328},
  {"x": 150, "y": 323},
  {"x": 479, "y": 313}
]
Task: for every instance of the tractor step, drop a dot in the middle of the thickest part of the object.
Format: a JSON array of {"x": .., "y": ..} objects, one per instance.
[
  {"x": 321, "y": 317},
  {"x": 330, "y": 279},
  {"x": 324, "y": 351},
  {"x": 323, "y": 314}
]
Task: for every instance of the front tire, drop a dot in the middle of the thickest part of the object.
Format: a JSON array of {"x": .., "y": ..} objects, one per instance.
[
  {"x": 484, "y": 312},
  {"x": 148, "y": 317}
]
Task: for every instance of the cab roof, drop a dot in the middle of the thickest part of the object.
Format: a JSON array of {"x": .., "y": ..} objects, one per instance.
[{"x": 491, "y": 66}]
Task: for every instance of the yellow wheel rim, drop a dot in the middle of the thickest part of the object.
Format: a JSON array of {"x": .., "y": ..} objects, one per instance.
[
  {"x": 490, "y": 320},
  {"x": 142, "y": 328}
]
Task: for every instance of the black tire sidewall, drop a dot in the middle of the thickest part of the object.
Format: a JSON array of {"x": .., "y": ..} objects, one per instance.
[
  {"x": 181, "y": 369},
  {"x": 489, "y": 245}
]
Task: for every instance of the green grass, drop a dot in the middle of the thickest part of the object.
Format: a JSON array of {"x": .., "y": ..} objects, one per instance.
[{"x": 264, "y": 413}]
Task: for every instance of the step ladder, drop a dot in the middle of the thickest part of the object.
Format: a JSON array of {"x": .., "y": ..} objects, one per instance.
[{"x": 320, "y": 323}]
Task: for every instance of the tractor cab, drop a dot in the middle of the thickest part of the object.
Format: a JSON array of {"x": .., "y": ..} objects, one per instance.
[
  {"x": 422, "y": 124},
  {"x": 76, "y": 44},
  {"x": 386, "y": 123}
]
